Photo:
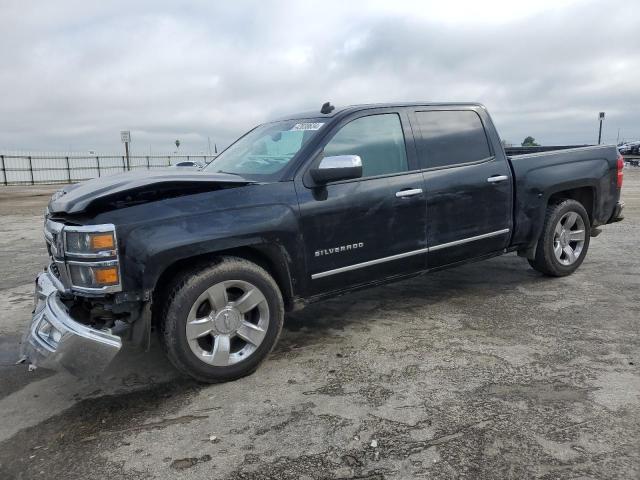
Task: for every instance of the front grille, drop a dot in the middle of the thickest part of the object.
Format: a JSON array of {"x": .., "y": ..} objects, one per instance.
[{"x": 53, "y": 238}]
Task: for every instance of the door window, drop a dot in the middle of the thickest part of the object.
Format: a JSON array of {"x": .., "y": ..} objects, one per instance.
[
  {"x": 377, "y": 139},
  {"x": 450, "y": 137}
]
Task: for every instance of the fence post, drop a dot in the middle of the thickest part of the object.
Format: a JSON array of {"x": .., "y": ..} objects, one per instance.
[
  {"x": 31, "y": 169},
  {"x": 68, "y": 169},
  {"x": 4, "y": 170},
  {"x": 98, "y": 164},
  {"x": 124, "y": 167},
  {"x": 148, "y": 166},
  {"x": 168, "y": 160}
]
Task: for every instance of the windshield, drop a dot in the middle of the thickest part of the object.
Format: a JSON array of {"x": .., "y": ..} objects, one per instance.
[{"x": 265, "y": 150}]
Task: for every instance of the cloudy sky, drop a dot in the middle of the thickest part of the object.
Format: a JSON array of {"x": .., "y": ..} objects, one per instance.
[{"x": 75, "y": 73}]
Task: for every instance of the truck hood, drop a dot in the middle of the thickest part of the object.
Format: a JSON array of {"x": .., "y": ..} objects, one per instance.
[{"x": 133, "y": 188}]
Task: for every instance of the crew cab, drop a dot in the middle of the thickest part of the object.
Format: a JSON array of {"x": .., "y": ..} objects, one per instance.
[{"x": 297, "y": 210}]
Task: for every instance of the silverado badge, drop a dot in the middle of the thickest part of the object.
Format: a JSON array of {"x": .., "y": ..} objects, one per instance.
[{"x": 339, "y": 249}]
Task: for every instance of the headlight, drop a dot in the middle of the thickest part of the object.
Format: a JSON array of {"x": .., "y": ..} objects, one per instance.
[
  {"x": 89, "y": 243},
  {"x": 94, "y": 275},
  {"x": 91, "y": 255}
]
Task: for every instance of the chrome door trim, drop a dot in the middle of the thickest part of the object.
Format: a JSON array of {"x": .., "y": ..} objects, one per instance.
[
  {"x": 470, "y": 239},
  {"x": 368, "y": 263},
  {"x": 409, "y": 193},
  {"x": 377, "y": 261}
]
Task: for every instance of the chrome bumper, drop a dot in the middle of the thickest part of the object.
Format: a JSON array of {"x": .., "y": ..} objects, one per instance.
[
  {"x": 617, "y": 213},
  {"x": 55, "y": 340}
]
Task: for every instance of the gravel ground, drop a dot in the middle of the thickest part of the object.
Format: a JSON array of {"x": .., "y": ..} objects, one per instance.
[{"x": 485, "y": 371}]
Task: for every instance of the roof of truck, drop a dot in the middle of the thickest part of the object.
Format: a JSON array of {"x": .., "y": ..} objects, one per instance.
[{"x": 366, "y": 106}]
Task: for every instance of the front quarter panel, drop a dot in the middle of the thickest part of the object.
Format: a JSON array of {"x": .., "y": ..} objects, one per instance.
[{"x": 159, "y": 234}]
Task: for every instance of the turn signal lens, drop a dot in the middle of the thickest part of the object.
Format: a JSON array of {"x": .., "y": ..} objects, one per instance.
[
  {"x": 102, "y": 241},
  {"x": 106, "y": 276}
]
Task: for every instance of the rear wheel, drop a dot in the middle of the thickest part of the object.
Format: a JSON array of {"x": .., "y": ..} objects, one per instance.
[
  {"x": 220, "y": 322},
  {"x": 564, "y": 241}
]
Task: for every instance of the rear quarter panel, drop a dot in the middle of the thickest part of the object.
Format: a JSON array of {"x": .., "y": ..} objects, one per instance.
[{"x": 539, "y": 176}]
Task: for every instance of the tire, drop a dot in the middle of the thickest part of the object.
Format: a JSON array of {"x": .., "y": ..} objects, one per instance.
[
  {"x": 195, "y": 303},
  {"x": 553, "y": 256}
]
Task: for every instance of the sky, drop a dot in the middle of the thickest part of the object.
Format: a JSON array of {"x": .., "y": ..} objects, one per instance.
[{"x": 76, "y": 73}]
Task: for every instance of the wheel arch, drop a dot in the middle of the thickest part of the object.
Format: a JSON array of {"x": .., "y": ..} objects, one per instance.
[
  {"x": 585, "y": 195},
  {"x": 270, "y": 257}
]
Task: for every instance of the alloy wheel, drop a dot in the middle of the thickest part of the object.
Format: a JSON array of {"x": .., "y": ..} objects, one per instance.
[
  {"x": 227, "y": 323},
  {"x": 568, "y": 238}
]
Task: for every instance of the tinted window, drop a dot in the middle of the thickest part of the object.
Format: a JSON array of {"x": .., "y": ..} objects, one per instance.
[
  {"x": 379, "y": 141},
  {"x": 451, "y": 137}
]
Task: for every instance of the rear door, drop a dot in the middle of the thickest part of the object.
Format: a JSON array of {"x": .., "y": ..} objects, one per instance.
[
  {"x": 359, "y": 231},
  {"x": 468, "y": 185}
]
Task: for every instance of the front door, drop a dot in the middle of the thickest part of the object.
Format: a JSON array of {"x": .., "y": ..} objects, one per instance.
[
  {"x": 468, "y": 186},
  {"x": 362, "y": 230}
]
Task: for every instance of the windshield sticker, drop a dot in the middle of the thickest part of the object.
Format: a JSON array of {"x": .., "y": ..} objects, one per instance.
[{"x": 307, "y": 126}]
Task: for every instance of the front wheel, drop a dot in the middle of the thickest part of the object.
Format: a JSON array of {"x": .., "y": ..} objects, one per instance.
[
  {"x": 220, "y": 322},
  {"x": 564, "y": 241}
]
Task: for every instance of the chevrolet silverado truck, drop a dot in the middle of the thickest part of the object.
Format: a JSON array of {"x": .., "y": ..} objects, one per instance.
[{"x": 297, "y": 210}]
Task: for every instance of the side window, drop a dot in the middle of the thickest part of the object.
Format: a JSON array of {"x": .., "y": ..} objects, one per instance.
[
  {"x": 377, "y": 139},
  {"x": 450, "y": 138}
]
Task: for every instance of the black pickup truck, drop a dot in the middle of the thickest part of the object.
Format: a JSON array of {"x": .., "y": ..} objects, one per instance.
[{"x": 297, "y": 210}]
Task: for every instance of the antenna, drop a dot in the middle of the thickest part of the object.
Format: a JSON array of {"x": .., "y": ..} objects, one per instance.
[{"x": 327, "y": 108}]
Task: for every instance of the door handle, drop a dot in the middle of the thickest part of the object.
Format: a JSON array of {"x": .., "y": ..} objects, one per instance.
[
  {"x": 409, "y": 192},
  {"x": 497, "y": 178}
]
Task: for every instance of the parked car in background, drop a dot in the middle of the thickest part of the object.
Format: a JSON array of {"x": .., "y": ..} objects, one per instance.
[{"x": 630, "y": 148}]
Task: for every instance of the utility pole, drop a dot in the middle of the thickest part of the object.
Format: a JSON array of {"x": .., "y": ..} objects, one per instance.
[
  {"x": 125, "y": 137},
  {"x": 618, "y": 137},
  {"x": 601, "y": 118}
]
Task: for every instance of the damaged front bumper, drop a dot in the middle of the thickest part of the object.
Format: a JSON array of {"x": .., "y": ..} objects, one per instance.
[{"x": 55, "y": 340}]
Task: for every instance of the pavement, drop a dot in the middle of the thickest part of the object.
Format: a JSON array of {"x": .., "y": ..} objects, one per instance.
[{"x": 489, "y": 370}]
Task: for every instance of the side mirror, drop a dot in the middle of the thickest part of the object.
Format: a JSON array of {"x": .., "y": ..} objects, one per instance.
[{"x": 339, "y": 167}]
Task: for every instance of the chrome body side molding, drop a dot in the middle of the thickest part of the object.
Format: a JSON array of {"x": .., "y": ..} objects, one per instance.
[
  {"x": 467, "y": 240},
  {"x": 408, "y": 254}
]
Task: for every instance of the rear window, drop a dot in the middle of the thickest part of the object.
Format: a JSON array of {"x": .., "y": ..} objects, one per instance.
[{"x": 450, "y": 137}]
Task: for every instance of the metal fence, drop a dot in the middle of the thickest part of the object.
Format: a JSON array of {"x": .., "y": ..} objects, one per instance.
[{"x": 43, "y": 169}]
